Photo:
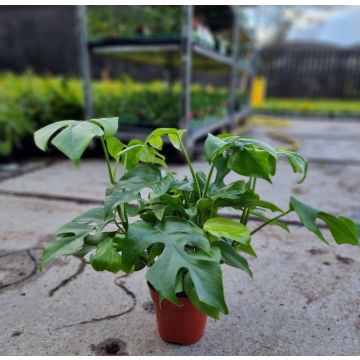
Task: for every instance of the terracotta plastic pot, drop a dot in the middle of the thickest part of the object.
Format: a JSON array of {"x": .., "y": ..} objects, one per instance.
[{"x": 183, "y": 325}]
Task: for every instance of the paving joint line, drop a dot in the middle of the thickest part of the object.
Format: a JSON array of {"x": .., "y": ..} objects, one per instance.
[
  {"x": 80, "y": 201},
  {"x": 21, "y": 172}
]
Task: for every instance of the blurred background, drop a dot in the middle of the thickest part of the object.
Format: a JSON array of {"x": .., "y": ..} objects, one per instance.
[
  {"x": 289, "y": 75},
  {"x": 71, "y": 62}
]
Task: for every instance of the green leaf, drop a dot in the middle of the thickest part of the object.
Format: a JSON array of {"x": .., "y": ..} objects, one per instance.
[
  {"x": 161, "y": 132},
  {"x": 162, "y": 186},
  {"x": 150, "y": 155},
  {"x": 192, "y": 295},
  {"x": 252, "y": 162},
  {"x": 297, "y": 162},
  {"x": 73, "y": 140},
  {"x": 222, "y": 169},
  {"x": 114, "y": 147},
  {"x": 93, "y": 216},
  {"x": 156, "y": 142},
  {"x": 184, "y": 185},
  {"x": 43, "y": 135},
  {"x": 174, "y": 135},
  {"x": 237, "y": 196},
  {"x": 307, "y": 216},
  {"x": 109, "y": 125},
  {"x": 106, "y": 257},
  {"x": 72, "y": 137},
  {"x": 227, "y": 228},
  {"x": 70, "y": 238},
  {"x": 212, "y": 146},
  {"x": 201, "y": 176},
  {"x": 249, "y": 157},
  {"x": 204, "y": 204},
  {"x": 132, "y": 158},
  {"x": 247, "y": 249},
  {"x": 250, "y": 143},
  {"x": 155, "y": 251},
  {"x": 231, "y": 257},
  {"x": 233, "y": 191},
  {"x": 175, "y": 139},
  {"x": 129, "y": 186},
  {"x": 343, "y": 230},
  {"x": 176, "y": 234},
  {"x": 249, "y": 199}
]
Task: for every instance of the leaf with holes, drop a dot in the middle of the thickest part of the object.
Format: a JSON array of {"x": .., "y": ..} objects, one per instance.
[
  {"x": 72, "y": 137},
  {"x": 70, "y": 238},
  {"x": 129, "y": 186},
  {"x": 177, "y": 234}
]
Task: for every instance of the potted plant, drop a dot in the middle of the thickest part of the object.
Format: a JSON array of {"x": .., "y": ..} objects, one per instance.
[{"x": 152, "y": 219}]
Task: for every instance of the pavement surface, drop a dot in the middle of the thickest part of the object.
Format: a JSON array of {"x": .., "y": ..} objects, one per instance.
[{"x": 304, "y": 298}]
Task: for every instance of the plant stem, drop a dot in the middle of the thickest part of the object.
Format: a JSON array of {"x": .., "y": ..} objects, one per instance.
[
  {"x": 246, "y": 212},
  {"x": 129, "y": 148},
  {"x": 183, "y": 150},
  {"x": 270, "y": 221},
  {"x": 208, "y": 179},
  {"x": 125, "y": 164},
  {"x": 115, "y": 168},
  {"x": 111, "y": 176},
  {"x": 107, "y": 160},
  {"x": 123, "y": 207}
]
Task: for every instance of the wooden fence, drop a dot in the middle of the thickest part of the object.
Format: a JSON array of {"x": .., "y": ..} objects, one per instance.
[{"x": 311, "y": 71}]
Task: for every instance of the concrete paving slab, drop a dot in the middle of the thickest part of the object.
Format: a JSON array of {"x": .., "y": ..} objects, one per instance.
[
  {"x": 64, "y": 179},
  {"x": 304, "y": 298},
  {"x": 26, "y": 223},
  {"x": 312, "y": 127},
  {"x": 318, "y": 140}
]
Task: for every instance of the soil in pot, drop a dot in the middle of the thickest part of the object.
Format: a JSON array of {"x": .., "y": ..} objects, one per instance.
[{"x": 182, "y": 325}]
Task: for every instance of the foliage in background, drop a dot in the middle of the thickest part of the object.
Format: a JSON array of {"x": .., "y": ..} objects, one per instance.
[
  {"x": 323, "y": 107},
  {"x": 29, "y": 101},
  {"x": 108, "y": 21}
]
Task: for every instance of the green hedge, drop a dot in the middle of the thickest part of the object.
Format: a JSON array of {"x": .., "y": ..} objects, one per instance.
[{"x": 28, "y": 102}]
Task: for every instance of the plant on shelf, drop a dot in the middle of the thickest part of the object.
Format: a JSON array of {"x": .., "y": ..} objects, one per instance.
[
  {"x": 153, "y": 219},
  {"x": 30, "y": 101}
]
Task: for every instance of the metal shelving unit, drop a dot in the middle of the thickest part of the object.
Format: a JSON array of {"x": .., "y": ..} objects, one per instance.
[{"x": 186, "y": 53}]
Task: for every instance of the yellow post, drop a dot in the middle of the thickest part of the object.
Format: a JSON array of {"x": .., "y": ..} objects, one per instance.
[{"x": 258, "y": 90}]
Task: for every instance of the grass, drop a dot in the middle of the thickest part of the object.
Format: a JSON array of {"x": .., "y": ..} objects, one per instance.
[{"x": 322, "y": 107}]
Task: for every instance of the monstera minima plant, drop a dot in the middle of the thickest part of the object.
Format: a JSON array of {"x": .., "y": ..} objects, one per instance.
[{"x": 172, "y": 226}]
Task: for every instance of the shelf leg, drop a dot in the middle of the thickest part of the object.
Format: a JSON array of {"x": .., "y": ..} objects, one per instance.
[
  {"x": 85, "y": 61},
  {"x": 186, "y": 68},
  {"x": 234, "y": 70}
]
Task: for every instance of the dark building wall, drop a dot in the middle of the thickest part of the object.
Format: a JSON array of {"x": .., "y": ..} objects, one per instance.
[{"x": 43, "y": 38}]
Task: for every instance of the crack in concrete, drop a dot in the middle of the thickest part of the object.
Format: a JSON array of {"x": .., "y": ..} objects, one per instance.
[
  {"x": 68, "y": 279},
  {"x": 341, "y": 162},
  {"x": 80, "y": 201},
  {"x": 119, "y": 283},
  {"x": 32, "y": 272}
]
